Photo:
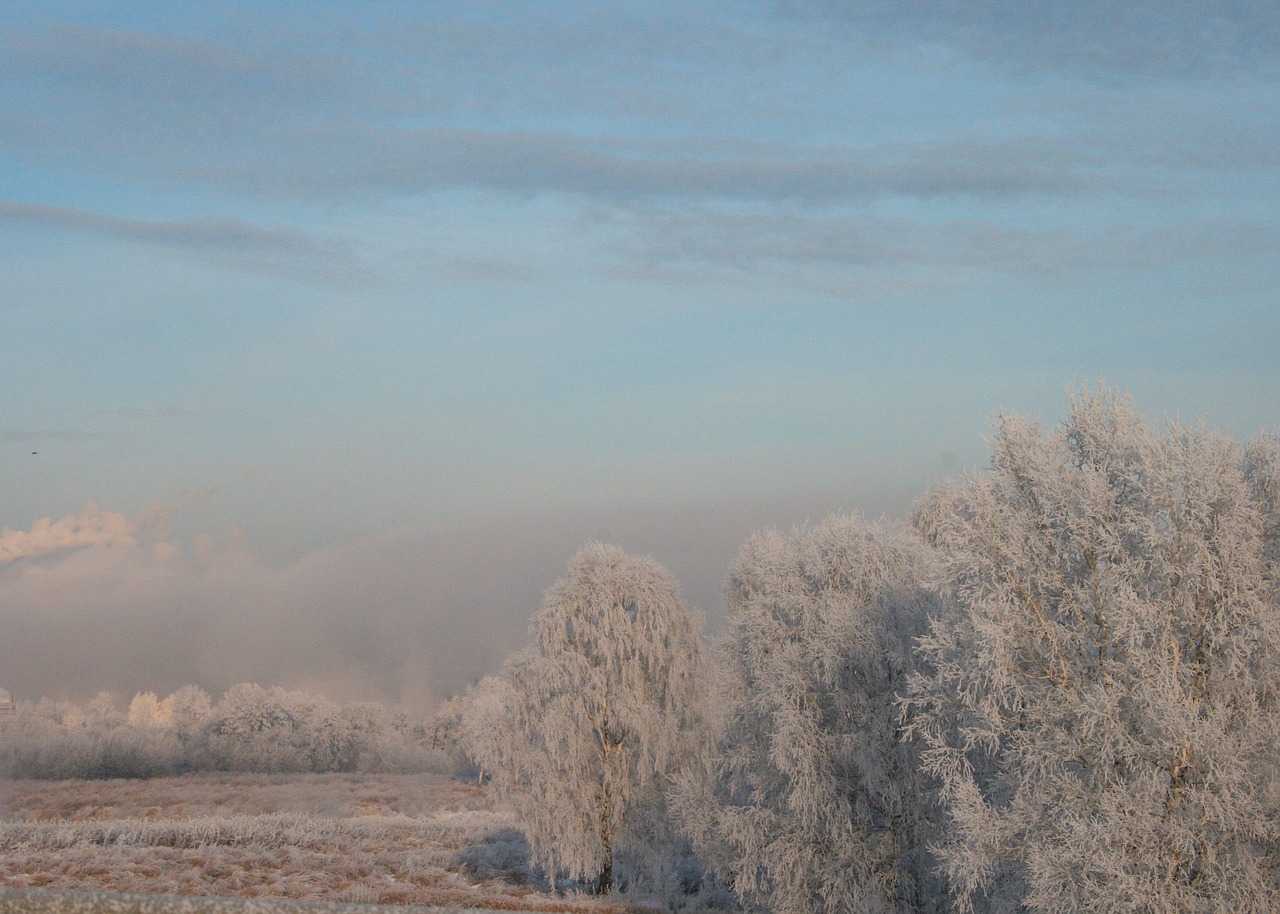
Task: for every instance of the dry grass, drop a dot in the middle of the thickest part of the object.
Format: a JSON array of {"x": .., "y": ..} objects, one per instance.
[{"x": 386, "y": 839}]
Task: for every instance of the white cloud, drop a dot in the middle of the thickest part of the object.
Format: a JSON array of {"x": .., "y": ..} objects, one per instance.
[{"x": 93, "y": 527}]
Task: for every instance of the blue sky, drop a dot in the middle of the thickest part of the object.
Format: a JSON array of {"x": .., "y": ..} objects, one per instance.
[{"x": 301, "y": 286}]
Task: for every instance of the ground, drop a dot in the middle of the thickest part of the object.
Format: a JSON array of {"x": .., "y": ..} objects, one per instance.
[{"x": 387, "y": 839}]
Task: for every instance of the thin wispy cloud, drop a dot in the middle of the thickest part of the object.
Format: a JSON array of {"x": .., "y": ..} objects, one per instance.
[
  {"x": 296, "y": 132},
  {"x": 1094, "y": 39},
  {"x": 236, "y": 242},
  {"x": 681, "y": 244},
  {"x": 207, "y": 91},
  {"x": 29, "y": 435},
  {"x": 167, "y": 411},
  {"x": 617, "y": 169}
]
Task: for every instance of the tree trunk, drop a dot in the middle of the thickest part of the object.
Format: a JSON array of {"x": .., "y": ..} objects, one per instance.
[
  {"x": 606, "y": 874},
  {"x": 606, "y": 828}
]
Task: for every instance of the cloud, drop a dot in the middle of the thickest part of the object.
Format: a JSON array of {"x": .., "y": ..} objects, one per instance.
[
  {"x": 236, "y": 242},
  {"x": 168, "y": 411},
  {"x": 409, "y": 615},
  {"x": 345, "y": 161},
  {"x": 845, "y": 253},
  {"x": 155, "y": 519},
  {"x": 23, "y": 435},
  {"x": 215, "y": 89},
  {"x": 93, "y": 527},
  {"x": 1095, "y": 39},
  {"x": 582, "y": 106}
]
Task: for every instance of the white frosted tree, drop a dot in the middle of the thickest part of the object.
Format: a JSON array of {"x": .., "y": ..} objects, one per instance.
[
  {"x": 485, "y": 714},
  {"x": 187, "y": 710},
  {"x": 253, "y": 729},
  {"x": 145, "y": 711},
  {"x": 600, "y": 712},
  {"x": 1100, "y": 704},
  {"x": 812, "y": 802},
  {"x": 102, "y": 712}
]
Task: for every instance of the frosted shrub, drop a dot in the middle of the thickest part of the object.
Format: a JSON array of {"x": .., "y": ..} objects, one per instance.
[
  {"x": 250, "y": 729},
  {"x": 1100, "y": 704},
  {"x": 812, "y": 803},
  {"x": 32, "y": 746}
]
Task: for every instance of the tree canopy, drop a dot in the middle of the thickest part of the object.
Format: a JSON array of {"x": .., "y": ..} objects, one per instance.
[
  {"x": 601, "y": 710},
  {"x": 1100, "y": 704}
]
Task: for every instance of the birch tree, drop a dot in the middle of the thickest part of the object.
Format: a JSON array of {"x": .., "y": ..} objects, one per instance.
[
  {"x": 813, "y": 804},
  {"x": 602, "y": 710},
  {"x": 1100, "y": 705}
]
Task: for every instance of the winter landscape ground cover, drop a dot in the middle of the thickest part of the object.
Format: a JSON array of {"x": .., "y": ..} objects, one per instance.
[
  {"x": 381, "y": 839},
  {"x": 39, "y": 901}
]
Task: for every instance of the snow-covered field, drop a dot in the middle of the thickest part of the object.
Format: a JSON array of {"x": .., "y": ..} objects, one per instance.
[{"x": 356, "y": 839}]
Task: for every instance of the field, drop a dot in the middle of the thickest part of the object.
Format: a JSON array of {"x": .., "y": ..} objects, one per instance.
[{"x": 382, "y": 839}]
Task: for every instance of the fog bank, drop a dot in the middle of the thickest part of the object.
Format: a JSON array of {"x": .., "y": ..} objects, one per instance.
[{"x": 408, "y": 616}]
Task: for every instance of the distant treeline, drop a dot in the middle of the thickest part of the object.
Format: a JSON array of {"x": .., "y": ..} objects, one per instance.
[{"x": 250, "y": 728}]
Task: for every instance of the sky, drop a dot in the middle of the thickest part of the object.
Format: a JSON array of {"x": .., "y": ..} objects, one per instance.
[{"x": 330, "y": 332}]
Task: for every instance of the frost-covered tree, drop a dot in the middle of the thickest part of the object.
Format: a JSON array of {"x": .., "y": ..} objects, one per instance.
[
  {"x": 187, "y": 710},
  {"x": 145, "y": 711},
  {"x": 813, "y": 803},
  {"x": 484, "y": 715},
  {"x": 601, "y": 711},
  {"x": 1100, "y": 705},
  {"x": 102, "y": 712},
  {"x": 255, "y": 729},
  {"x": 346, "y": 737}
]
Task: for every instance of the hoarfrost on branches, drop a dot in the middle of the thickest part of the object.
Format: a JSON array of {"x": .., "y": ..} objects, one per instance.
[
  {"x": 812, "y": 803},
  {"x": 1100, "y": 705},
  {"x": 597, "y": 715}
]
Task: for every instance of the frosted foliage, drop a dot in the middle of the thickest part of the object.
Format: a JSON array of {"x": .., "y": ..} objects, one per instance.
[
  {"x": 597, "y": 715},
  {"x": 145, "y": 711},
  {"x": 187, "y": 709},
  {"x": 485, "y": 721},
  {"x": 812, "y": 803},
  {"x": 253, "y": 728},
  {"x": 1100, "y": 705},
  {"x": 102, "y": 710}
]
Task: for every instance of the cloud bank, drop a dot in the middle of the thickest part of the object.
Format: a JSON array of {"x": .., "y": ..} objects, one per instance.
[{"x": 104, "y": 601}]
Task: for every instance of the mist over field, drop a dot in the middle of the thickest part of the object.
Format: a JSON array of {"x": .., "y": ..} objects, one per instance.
[{"x": 100, "y": 601}]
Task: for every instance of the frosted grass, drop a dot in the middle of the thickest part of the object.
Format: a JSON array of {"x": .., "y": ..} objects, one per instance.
[
  {"x": 28, "y": 901},
  {"x": 342, "y": 839}
]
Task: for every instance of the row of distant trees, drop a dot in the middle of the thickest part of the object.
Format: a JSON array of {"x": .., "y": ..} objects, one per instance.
[
  {"x": 250, "y": 728},
  {"x": 1057, "y": 689}
]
